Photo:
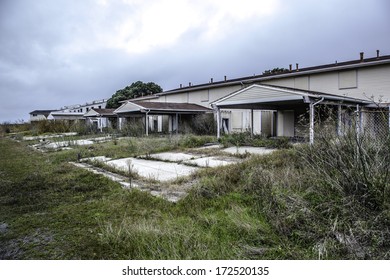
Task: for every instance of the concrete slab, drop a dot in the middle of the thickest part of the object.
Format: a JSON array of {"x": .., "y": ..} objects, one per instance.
[
  {"x": 250, "y": 150},
  {"x": 61, "y": 144},
  {"x": 213, "y": 146},
  {"x": 150, "y": 169},
  {"x": 211, "y": 161},
  {"x": 174, "y": 157},
  {"x": 99, "y": 159},
  {"x": 40, "y": 137}
]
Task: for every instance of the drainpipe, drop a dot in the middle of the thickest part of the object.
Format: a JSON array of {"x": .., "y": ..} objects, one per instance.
[{"x": 312, "y": 105}]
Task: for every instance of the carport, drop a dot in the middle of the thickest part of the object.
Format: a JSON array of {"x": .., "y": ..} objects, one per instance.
[
  {"x": 145, "y": 109},
  {"x": 285, "y": 102}
]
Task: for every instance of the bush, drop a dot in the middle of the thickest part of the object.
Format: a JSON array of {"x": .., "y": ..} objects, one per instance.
[
  {"x": 204, "y": 124},
  {"x": 192, "y": 141},
  {"x": 135, "y": 128}
]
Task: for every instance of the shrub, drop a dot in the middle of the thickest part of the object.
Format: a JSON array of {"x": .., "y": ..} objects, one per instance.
[{"x": 204, "y": 124}]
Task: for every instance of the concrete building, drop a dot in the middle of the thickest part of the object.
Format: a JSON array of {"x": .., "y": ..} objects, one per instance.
[
  {"x": 40, "y": 115},
  {"x": 362, "y": 83},
  {"x": 76, "y": 112},
  {"x": 100, "y": 119}
]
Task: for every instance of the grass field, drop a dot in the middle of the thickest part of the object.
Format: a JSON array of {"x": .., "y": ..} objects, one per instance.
[{"x": 279, "y": 206}]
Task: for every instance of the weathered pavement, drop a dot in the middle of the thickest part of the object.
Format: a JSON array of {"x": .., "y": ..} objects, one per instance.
[{"x": 165, "y": 167}]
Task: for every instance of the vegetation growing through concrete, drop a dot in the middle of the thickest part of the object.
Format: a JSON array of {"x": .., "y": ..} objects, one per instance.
[{"x": 328, "y": 201}]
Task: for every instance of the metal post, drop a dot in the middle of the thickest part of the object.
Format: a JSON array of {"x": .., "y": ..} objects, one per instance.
[
  {"x": 177, "y": 123},
  {"x": 339, "y": 120},
  {"x": 119, "y": 123},
  {"x": 311, "y": 123},
  {"x": 260, "y": 125},
  {"x": 146, "y": 124},
  {"x": 389, "y": 119},
  {"x": 358, "y": 121},
  {"x": 251, "y": 122},
  {"x": 218, "y": 123}
]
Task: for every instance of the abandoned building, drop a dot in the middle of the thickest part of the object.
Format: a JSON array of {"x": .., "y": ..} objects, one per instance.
[{"x": 270, "y": 104}]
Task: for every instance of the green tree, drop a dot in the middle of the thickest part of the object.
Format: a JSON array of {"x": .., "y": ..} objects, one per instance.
[{"x": 136, "y": 89}]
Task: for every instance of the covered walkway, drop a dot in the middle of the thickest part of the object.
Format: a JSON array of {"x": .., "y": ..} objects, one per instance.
[
  {"x": 287, "y": 104},
  {"x": 145, "y": 109}
]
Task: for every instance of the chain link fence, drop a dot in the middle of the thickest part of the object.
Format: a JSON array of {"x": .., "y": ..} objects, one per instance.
[{"x": 369, "y": 124}]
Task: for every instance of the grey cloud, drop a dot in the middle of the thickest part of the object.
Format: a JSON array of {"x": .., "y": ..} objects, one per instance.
[{"x": 41, "y": 67}]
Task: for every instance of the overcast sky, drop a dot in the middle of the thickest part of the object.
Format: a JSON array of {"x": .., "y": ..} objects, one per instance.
[{"x": 62, "y": 52}]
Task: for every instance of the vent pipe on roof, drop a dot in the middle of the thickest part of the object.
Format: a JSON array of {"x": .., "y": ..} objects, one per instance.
[
  {"x": 225, "y": 78},
  {"x": 181, "y": 85},
  {"x": 297, "y": 66},
  {"x": 290, "y": 67},
  {"x": 189, "y": 84},
  {"x": 361, "y": 56},
  {"x": 377, "y": 53},
  {"x": 211, "y": 80}
]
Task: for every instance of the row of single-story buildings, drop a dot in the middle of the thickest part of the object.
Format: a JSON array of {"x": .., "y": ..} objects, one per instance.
[{"x": 268, "y": 104}]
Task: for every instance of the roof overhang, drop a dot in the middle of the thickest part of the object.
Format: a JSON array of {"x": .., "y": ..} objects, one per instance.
[
  {"x": 160, "y": 108},
  {"x": 273, "y": 98}
]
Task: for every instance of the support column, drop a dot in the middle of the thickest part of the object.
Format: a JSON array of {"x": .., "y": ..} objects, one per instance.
[
  {"x": 119, "y": 123},
  {"x": 146, "y": 124},
  {"x": 219, "y": 123},
  {"x": 358, "y": 121},
  {"x": 177, "y": 123},
  {"x": 251, "y": 122},
  {"x": 311, "y": 128},
  {"x": 170, "y": 124},
  {"x": 260, "y": 123}
]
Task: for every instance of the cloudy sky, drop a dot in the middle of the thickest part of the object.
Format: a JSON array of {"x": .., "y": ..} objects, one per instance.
[{"x": 63, "y": 52}]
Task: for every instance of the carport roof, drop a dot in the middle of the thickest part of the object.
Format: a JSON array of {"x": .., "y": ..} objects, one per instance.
[
  {"x": 161, "y": 108},
  {"x": 95, "y": 112},
  {"x": 273, "y": 97}
]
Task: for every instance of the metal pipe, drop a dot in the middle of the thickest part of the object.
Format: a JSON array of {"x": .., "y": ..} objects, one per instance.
[{"x": 312, "y": 105}]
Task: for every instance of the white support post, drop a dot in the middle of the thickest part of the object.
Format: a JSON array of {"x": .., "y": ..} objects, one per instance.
[
  {"x": 251, "y": 122},
  {"x": 146, "y": 124},
  {"x": 120, "y": 123},
  {"x": 358, "y": 121},
  {"x": 260, "y": 125},
  {"x": 311, "y": 123},
  {"x": 218, "y": 123},
  {"x": 177, "y": 123}
]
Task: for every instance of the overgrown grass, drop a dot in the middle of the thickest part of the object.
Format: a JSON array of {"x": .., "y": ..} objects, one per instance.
[
  {"x": 298, "y": 203},
  {"x": 246, "y": 139}
]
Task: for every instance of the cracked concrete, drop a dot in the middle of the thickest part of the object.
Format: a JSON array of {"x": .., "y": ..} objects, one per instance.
[{"x": 165, "y": 167}]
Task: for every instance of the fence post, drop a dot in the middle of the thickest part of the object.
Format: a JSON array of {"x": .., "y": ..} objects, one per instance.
[
  {"x": 389, "y": 119},
  {"x": 339, "y": 120},
  {"x": 311, "y": 105}
]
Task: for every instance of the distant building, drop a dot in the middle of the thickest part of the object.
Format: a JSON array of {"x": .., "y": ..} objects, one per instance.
[
  {"x": 39, "y": 115},
  {"x": 100, "y": 119},
  {"x": 76, "y": 112}
]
